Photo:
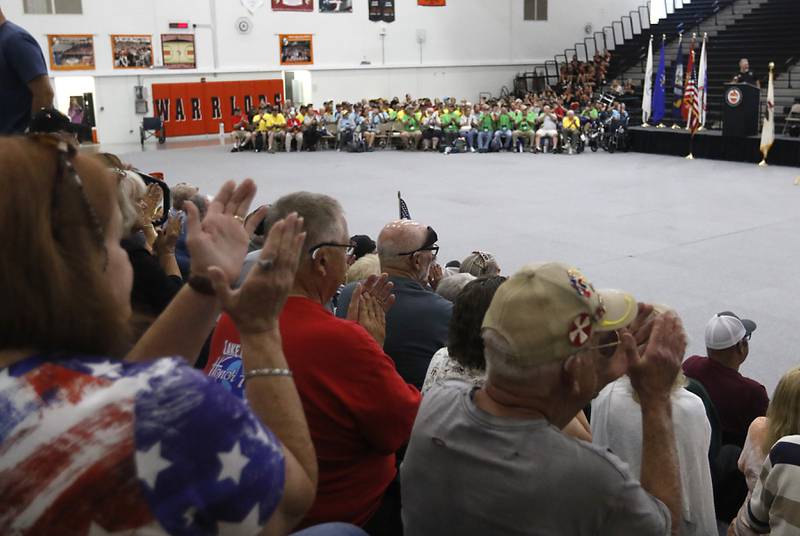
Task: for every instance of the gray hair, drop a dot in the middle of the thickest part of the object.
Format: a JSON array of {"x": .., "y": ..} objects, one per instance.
[
  {"x": 130, "y": 190},
  {"x": 323, "y": 216},
  {"x": 502, "y": 364},
  {"x": 450, "y": 287}
]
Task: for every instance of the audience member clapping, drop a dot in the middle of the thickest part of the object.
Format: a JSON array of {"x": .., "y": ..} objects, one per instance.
[{"x": 97, "y": 444}]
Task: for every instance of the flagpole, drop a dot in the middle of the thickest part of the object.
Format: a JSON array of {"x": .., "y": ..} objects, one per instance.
[
  {"x": 701, "y": 79},
  {"x": 768, "y": 128},
  {"x": 690, "y": 156},
  {"x": 663, "y": 44},
  {"x": 676, "y": 126}
]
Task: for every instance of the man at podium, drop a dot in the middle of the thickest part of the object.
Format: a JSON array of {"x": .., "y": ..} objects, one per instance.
[{"x": 745, "y": 75}]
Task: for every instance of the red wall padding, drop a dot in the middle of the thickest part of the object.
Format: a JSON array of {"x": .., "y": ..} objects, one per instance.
[{"x": 198, "y": 108}]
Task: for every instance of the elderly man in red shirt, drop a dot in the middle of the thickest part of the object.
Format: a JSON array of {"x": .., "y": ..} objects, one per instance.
[{"x": 359, "y": 410}]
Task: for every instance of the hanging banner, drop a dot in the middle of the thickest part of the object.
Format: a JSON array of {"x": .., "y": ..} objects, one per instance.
[
  {"x": 381, "y": 10},
  {"x": 432, "y": 3},
  {"x": 296, "y": 49},
  {"x": 177, "y": 51},
  {"x": 335, "y": 6},
  {"x": 292, "y": 5},
  {"x": 132, "y": 51},
  {"x": 71, "y": 52}
]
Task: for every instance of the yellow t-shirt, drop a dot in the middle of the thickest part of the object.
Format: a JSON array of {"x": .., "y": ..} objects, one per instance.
[
  {"x": 276, "y": 122},
  {"x": 260, "y": 122},
  {"x": 401, "y": 114},
  {"x": 568, "y": 123}
]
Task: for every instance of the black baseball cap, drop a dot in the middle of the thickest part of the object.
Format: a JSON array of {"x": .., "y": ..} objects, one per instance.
[{"x": 363, "y": 245}]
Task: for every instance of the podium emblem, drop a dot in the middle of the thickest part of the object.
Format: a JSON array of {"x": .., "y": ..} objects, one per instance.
[{"x": 733, "y": 97}]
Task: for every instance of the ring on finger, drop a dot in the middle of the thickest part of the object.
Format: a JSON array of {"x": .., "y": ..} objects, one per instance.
[
  {"x": 266, "y": 264},
  {"x": 241, "y": 220}
]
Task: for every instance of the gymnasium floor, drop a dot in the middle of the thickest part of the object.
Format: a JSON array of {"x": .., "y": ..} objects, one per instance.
[{"x": 702, "y": 236}]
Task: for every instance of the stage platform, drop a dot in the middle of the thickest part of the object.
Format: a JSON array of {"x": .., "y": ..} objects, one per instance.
[{"x": 713, "y": 145}]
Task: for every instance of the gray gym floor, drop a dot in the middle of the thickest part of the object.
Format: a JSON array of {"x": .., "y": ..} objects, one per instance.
[{"x": 701, "y": 236}]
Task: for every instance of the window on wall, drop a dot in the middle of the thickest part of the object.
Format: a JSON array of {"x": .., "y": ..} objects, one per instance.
[
  {"x": 51, "y": 7},
  {"x": 535, "y": 10}
]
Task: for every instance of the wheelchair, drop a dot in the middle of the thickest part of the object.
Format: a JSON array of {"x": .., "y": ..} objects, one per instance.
[
  {"x": 566, "y": 146},
  {"x": 152, "y": 127},
  {"x": 595, "y": 135},
  {"x": 615, "y": 137}
]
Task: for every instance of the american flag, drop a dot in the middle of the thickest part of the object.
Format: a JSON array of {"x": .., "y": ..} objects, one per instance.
[
  {"x": 404, "y": 213},
  {"x": 692, "y": 101},
  {"x": 94, "y": 446}
]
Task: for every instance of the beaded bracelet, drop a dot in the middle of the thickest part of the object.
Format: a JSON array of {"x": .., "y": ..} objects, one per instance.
[{"x": 267, "y": 372}]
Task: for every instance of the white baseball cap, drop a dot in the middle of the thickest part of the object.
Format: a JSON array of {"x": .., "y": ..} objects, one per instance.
[{"x": 725, "y": 330}]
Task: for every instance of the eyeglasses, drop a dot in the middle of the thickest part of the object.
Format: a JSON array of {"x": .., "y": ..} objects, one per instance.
[
  {"x": 429, "y": 245},
  {"x": 608, "y": 344},
  {"x": 350, "y": 249},
  {"x": 67, "y": 177}
]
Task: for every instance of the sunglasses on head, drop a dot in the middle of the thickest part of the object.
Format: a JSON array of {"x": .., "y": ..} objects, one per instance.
[
  {"x": 67, "y": 182},
  {"x": 430, "y": 244}
]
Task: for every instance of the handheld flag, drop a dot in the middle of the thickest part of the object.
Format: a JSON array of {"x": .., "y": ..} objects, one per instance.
[
  {"x": 647, "y": 95},
  {"x": 768, "y": 128},
  {"x": 677, "y": 82},
  {"x": 658, "y": 92},
  {"x": 404, "y": 213},
  {"x": 702, "y": 83}
]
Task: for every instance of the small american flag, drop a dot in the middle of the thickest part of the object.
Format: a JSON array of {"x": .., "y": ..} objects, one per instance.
[
  {"x": 404, "y": 213},
  {"x": 693, "y": 103}
]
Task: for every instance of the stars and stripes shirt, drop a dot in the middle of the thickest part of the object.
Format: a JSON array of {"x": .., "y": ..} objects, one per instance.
[
  {"x": 94, "y": 446},
  {"x": 774, "y": 507}
]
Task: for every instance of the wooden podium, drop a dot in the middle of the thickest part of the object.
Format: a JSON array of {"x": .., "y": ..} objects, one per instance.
[{"x": 740, "y": 115}]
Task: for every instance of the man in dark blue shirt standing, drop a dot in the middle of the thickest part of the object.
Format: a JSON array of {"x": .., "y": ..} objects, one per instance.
[{"x": 24, "y": 84}]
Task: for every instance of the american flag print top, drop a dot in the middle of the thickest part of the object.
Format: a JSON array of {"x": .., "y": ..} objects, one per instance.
[{"x": 92, "y": 446}]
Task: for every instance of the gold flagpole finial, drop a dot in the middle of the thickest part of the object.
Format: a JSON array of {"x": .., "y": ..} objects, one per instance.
[
  {"x": 705, "y": 36},
  {"x": 771, "y": 65},
  {"x": 663, "y": 37},
  {"x": 694, "y": 35}
]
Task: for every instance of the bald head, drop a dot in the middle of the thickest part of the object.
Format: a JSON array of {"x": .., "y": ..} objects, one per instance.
[{"x": 398, "y": 237}]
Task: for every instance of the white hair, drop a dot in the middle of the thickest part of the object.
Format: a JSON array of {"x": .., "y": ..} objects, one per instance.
[
  {"x": 450, "y": 287},
  {"x": 364, "y": 267},
  {"x": 130, "y": 190}
]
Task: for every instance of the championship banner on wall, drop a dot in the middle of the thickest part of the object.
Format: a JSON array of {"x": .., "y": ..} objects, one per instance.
[
  {"x": 335, "y": 6},
  {"x": 292, "y": 5},
  {"x": 71, "y": 52},
  {"x": 432, "y": 3},
  {"x": 177, "y": 51},
  {"x": 381, "y": 10},
  {"x": 296, "y": 49},
  {"x": 132, "y": 51},
  {"x": 199, "y": 107}
]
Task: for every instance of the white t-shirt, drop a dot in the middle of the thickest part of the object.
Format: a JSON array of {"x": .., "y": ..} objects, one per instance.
[{"x": 617, "y": 425}]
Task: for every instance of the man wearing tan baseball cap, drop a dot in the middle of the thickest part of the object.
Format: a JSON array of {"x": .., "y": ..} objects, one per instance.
[{"x": 493, "y": 460}]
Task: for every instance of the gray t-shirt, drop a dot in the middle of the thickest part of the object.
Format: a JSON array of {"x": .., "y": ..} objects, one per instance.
[{"x": 467, "y": 472}]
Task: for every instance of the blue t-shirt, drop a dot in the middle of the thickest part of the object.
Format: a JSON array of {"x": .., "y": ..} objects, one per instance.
[{"x": 21, "y": 60}]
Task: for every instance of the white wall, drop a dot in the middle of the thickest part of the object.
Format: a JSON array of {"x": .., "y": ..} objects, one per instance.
[{"x": 472, "y": 46}]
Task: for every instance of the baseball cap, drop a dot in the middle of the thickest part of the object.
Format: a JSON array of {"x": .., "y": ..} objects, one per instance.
[
  {"x": 363, "y": 245},
  {"x": 548, "y": 311},
  {"x": 725, "y": 330}
]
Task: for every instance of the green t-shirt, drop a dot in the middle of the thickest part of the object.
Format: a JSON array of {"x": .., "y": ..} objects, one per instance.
[
  {"x": 392, "y": 115},
  {"x": 410, "y": 123},
  {"x": 486, "y": 122},
  {"x": 449, "y": 122},
  {"x": 505, "y": 122},
  {"x": 593, "y": 113},
  {"x": 516, "y": 116}
]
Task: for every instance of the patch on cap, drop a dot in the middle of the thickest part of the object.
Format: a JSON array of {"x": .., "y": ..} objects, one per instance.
[
  {"x": 580, "y": 330},
  {"x": 580, "y": 284}
]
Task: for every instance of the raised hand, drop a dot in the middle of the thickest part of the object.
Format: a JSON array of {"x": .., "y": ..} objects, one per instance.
[
  {"x": 256, "y": 306},
  {"x": 653, "y": 373},
  {"x": 220, "y": 240},
  {"x": 380, "y": 288},
  {"x": 169, "y": 236},
  {"x": 435, "y": 275}
]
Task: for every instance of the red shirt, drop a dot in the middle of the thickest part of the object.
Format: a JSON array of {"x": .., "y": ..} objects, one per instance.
[
  {"x": 242, "y": 121},
  {"x": 292, "y": 122},
  {"x": 359, "y": 410},
  {"x": 738, "y": 400}
]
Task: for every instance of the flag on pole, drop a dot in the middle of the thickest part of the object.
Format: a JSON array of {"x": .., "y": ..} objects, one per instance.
[
  {"x": 690, "y": 98},
  {"x": 658, "y": 92},
  {"x": 647, "y": 95},
  {"x": 702, "y": 83},
  {"x": 689, "y": 74},
  {"x": 768, "y": 128},
  {"x": 404, "y": 213},
  {"x": 677, "y": 82}
]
